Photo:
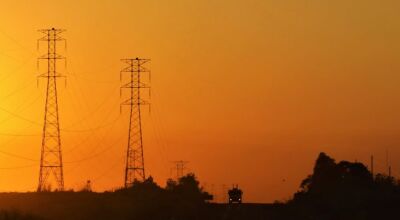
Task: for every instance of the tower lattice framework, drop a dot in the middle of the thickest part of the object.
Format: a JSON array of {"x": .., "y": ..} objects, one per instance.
[
  {"x": 135, "y": 169},
  {"x": 180, "y": 167},
  {"x": 51, "y": 165}
]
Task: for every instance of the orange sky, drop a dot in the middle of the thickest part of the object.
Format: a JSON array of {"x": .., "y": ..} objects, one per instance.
[{"x": 248, "y": 91}]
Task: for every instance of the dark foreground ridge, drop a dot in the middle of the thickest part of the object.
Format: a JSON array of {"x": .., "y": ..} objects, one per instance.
[
  {"x": 79, "y": 206},
  {"x": 178, "y": 200},
  {"x": 343, "y": 190}
]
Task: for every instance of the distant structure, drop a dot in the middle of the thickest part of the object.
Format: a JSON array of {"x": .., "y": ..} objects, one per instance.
[
  {"x": 224, "y": 194},
  {"x": 235, "y": 195},
  {"x": 180, "y": 167},
  {"x": 51, "y": 165},
  {"x": 88, "y": 186},
  {"x": 388, "y": 166},
  {"x": 372, "y": 166},
  {"x": 134, "y": 169}
]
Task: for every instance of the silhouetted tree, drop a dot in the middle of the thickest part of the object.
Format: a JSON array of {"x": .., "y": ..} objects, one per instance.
[
  {"x": 189, "y": 188},
  {"x": 344, "y": 190},
  {"x": 324, "y": 177},
  {"x": 171, "y": 185}
]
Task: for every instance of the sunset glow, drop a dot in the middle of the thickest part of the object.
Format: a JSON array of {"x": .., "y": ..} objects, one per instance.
[{"x": 249, "y": 92}]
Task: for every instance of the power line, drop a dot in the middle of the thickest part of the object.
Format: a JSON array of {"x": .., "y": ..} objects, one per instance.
[
  {"x": 75, "y": 161},
  {"x": 18, "y": 135},
  {"x": 159, "y": 130},
  {"x": 20, "y": 117},
  {"x": 94, "y": 128},
  {"x": 96, "y": 154},
  {"x": 96, "y": 109},
  {"x": 17, "y": 156},
  {"x": 17, "y": 42},
  {"x": 17, "y": 69},
  {"x": 108, "y": 147},
  {"x": 106, "y": 172},
  {"x": 22, "y": 107},
  {"x": 61, "y": 129},
  {"x": 88, "y": 136},
  {"x": 18, "y": 167}
]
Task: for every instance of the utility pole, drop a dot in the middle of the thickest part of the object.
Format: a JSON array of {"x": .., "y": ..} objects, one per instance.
[
  {"x": 224, "y": 193},
  {"x": 134, "y": 170},
  {"x": 388, "y": 166},
  {"x": 51, "y": 166},
  {"x": 180, "y": 167},
  {"x": 88, "y": 186},
  {"x": 372, "y": 165}
]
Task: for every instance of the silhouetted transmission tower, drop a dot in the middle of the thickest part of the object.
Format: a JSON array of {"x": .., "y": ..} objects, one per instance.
[
  {"x": 134, "y": 169},
  {"x": 51, "y": 166},
  {"x": 180, "y": 167}
]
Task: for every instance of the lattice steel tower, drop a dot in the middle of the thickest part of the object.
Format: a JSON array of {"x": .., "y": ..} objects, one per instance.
[
  {"x": 134, "y": 169},
  {"x": 180, "y": 167},
  {"x": 51, "y": 166}
]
